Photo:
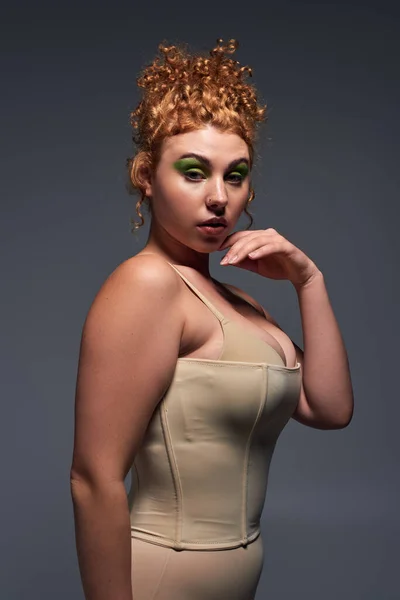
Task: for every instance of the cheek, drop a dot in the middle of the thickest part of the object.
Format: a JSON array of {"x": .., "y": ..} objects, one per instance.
[
  {"x": 169, "y": 185},
  {"x": 173, "y": 202},
  {"x": 177, "y": 193},
  {"x": 241, "y": 196}
]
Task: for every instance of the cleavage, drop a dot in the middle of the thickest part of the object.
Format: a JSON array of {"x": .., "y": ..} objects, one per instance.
[
  {"x": 255, "y": 330},
  {"x": 207, "y": 340}
]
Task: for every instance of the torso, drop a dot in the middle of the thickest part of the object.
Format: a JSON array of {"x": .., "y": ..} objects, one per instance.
[{"x": 202, "y": 336}]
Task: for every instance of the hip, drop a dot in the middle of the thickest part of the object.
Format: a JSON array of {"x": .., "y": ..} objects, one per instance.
[{"x": 161, "y": 573}]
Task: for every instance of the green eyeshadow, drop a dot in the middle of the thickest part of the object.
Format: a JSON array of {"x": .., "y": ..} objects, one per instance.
[
  {"x": 184, "y": 164},
  {"x": 191, "y": 163},
  {"x": 242, "y": 169}
]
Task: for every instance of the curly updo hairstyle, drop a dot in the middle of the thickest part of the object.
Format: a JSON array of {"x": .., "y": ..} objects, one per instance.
[{"x": 184, "y": 92}]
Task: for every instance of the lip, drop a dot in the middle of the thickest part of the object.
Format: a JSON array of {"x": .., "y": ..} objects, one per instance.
[
  {"x": 210, "y": 230},
  {"x": 219, "y": 220}
]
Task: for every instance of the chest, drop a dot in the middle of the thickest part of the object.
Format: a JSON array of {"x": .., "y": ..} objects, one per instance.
[{"x": 203, "y": 337}]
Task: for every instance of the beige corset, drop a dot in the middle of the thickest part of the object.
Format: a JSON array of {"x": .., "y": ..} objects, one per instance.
[{"x": 199, "y": 478}]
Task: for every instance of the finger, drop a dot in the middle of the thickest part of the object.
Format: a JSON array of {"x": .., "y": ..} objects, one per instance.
[
  {"x": 238, "y": 253},
  {"x": 239, "y": 235},
  {"x": 265, "y": 249},
  {"x": 234, "y": 237},
  {"x": 244, "y": 246}
]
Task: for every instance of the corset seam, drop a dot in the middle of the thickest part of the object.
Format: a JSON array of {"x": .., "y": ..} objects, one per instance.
[
  {"x": 174, "y": 472},
  {"x": 261, "y": 406}
]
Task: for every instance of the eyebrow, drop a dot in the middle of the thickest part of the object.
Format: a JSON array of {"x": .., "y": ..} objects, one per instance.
[{"x": 207, "y": 162}]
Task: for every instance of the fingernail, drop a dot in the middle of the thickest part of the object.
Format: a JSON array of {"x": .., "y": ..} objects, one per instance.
[
  {"x": 233, "y": 259},
  {"x": 224, "y": 260}
]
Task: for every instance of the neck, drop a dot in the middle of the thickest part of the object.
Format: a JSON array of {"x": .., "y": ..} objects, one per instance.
[{"x": 160, "y": 242}]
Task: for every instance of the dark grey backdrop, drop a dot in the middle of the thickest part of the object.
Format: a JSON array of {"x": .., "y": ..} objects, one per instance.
[{"x": 328, "y": 180}]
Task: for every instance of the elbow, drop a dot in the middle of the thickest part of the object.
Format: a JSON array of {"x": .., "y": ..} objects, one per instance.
[
  {"x": 334, "y": 419},
  {"x": 339, "y": 424},
  {"x": 324, "y": 415},
  {"x": 347, "y": 413},
  {"x": 94, "y": 480},
  {"x": 78, "y": 486},
  {"x": 340, "y": 421},
  {"x": 76, "y": 479},
  {"x": 86, "y": 491},
  {"x": 345, "y": 421},
  {"x": 339, "y": 414}
]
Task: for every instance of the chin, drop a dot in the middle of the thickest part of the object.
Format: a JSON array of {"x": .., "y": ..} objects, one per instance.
[{"x": 199, "y": 243}]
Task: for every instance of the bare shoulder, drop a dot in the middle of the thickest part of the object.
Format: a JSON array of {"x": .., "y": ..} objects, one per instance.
[
  {"x": 151, "y": 271},
  {"x": 135, "y": 283}
]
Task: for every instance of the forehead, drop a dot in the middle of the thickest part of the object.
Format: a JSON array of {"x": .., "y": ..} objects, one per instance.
[{"x": 218, "y": 146}]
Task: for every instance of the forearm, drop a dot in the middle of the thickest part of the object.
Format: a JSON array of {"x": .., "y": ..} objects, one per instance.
[
  {"x": 326, "y": 372},
  {"x": 103, "y": 541}
]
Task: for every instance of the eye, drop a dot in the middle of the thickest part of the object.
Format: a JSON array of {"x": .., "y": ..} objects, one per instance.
[
  {"x": 194, "y": 174},
  {"x": 235, "y": 177}
]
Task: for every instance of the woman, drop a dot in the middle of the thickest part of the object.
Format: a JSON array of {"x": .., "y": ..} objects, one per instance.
[{"x": 183, "y": 379}]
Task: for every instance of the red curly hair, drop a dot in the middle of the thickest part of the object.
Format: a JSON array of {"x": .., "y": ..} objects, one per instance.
[{"x": 183, "y": 92}]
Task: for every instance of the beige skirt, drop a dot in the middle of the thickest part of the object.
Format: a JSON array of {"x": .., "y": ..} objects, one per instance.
[{"x": 160, "y": 573}]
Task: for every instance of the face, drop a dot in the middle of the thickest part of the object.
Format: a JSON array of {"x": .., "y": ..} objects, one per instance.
[{"x": 195, "y": 168}]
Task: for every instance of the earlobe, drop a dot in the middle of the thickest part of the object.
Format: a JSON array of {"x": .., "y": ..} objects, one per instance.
[
  {"x": 145, "y": 177},
  {"x": 148, "y": 189}
]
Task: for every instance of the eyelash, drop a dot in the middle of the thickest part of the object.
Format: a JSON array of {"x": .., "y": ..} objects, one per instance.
[{"x": 195, "y": 172}]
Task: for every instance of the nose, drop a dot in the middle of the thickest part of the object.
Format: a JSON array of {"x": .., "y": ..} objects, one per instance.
[{"x": 217, "y": 196}]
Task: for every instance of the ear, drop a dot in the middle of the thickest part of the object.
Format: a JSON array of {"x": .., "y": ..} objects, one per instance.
[
  {"x": 145, "y": 177},
  {"x": 141, "y": 173}
]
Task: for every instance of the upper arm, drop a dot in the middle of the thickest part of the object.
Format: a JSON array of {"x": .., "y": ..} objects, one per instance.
[{"x": 129, "y": 348}]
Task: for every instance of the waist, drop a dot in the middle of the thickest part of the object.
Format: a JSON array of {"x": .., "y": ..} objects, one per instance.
[
  {"x": 202, "y": 518},
  {"x": 194, "y": 543}
]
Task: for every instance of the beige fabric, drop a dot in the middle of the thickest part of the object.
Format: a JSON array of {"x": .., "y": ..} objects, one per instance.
[
  {"x": 199, "y": 479},
  {"x": 160, "y": 573}
]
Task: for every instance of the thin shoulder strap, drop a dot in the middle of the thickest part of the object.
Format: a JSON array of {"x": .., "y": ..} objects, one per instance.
[
  {"x": 235, "y": 293},
  {"x": 213, "y": 309}
]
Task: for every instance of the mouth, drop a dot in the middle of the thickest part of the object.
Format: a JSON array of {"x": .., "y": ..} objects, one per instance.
[
  {"x": 214, "y": 222},
  {"x": 212, "y": 228}
]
